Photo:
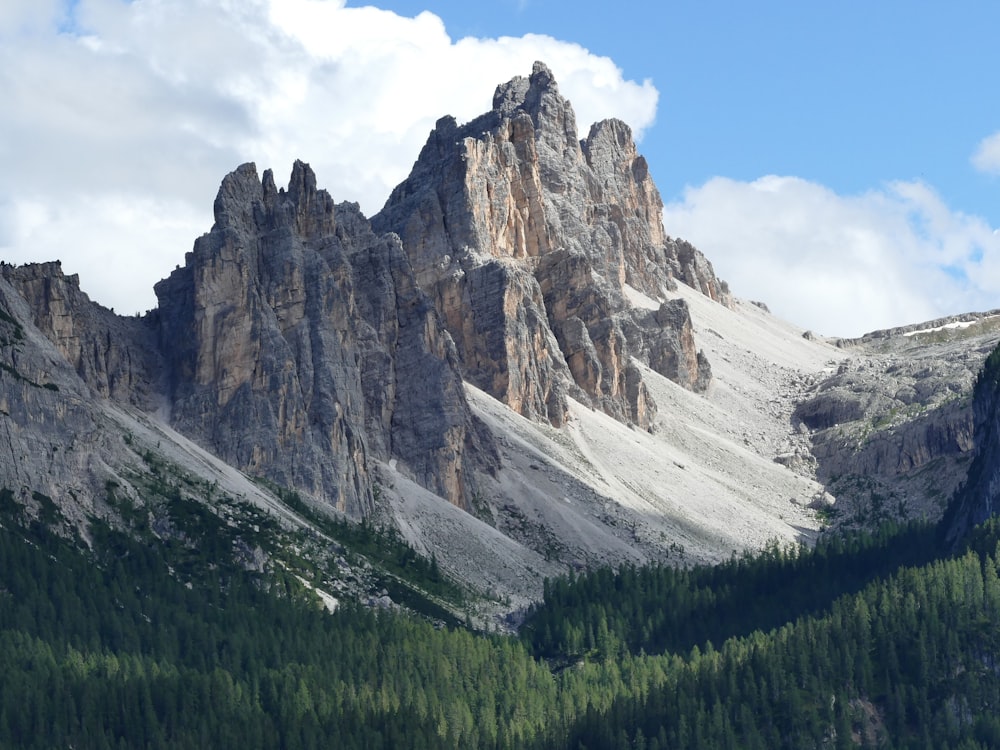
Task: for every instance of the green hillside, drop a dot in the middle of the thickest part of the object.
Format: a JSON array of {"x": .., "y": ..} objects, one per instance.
[{"x": 872, "y": 641}]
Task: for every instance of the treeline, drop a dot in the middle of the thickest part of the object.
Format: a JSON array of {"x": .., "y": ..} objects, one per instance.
[
  {"x": 659, "y": 608},
  {"x": 912, "y": 661},
  {"x": 385, "y": 547},
  {"x": 862, "y": 642},
  {"x": 122, "y": 654}
]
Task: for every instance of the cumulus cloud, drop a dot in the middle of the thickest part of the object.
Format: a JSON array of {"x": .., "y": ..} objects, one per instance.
[
  {"x": 987, "y": 155},
  {"x": 121, "y": 118},
  {"x": 842, "y": 265},
  {"x": 27, "y": 16}
]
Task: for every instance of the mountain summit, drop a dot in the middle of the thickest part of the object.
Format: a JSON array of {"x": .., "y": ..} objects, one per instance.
[
  {"x": 529, "y": 241},
  {"x": 291, "y": 332}
]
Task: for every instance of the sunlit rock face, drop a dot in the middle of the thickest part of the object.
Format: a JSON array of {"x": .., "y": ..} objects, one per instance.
[{"x": 527, "y": 239}]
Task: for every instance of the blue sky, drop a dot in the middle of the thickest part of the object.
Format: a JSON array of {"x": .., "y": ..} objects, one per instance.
[
  {"x": 851, "y": 94},
  {"x": 838, "y": 161}
]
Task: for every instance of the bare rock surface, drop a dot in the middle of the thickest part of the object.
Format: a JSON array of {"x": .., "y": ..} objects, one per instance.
[
  {"x": 513, "y": 364},
  {"x": 703, "y": 483},
  {"x": 116, "y": 356},
  {"x": 51, "y": 432},
  {"x": 978, "y": 498},
  {"x": 525, "y": 238},
  {"x": 290, "y": 343},
  {"x": 892, "y": 426},
  {"x": 285, "y": 345}
]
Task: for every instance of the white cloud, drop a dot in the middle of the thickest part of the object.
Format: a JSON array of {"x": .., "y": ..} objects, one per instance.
[
  {"x": 113, "y": 241},
  {"x": 121, "y": 118},
  {"x": 987, "y": 155},
  {"x": 115, "y": 136},
  {"x": 28, "y": 16},
  {"x": 842, "y": 265}
]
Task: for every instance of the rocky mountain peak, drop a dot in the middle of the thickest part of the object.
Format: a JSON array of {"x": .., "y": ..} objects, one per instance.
[
  {"x": 368, "y": 366},
  {"x": 537, "y": 97},
  {"x": 240, "y": 190},
  {"x": 284, "y": 333},
  {"x": 516, "y": 227},
  {"x": 525, "y": 93},
  {"x": 245, "y": 200}
]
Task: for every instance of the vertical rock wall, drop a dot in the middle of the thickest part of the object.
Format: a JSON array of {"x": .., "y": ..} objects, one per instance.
[
  {"x": 526, "y": 237},
  {"x": 290, "y": 338}
]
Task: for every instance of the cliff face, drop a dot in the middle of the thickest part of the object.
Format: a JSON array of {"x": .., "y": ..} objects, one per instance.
[
  {"x": 116, "y": 356},
  {"x": 298, "y": 343},
  {"x": 528, "y": 239},
  {"x": 290, "y": 332},
  {"x": 979, "y": 497},
  {"x": 893, "y": 429},
  {"x": 287, "y": 345},
  {"x": 56, "y": 441}
]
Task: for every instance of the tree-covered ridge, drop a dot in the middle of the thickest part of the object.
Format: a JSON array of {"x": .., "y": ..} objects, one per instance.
[
  {"x": 657, "y": 608},
  {"x": 910, "y": 662},
  {"x": 877, "y": 646},
  {"x": 121, "y": 653}
]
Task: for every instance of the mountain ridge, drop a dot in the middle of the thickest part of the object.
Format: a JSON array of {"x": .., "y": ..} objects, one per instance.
[{"x": 512, "y": 364}]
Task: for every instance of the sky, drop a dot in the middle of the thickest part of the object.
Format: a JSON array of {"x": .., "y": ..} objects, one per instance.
[{"x": 838, "y": 161}]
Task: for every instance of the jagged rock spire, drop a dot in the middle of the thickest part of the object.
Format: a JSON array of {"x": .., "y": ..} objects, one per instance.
[
  {"x": 284, "y": 334},
  {"x": 526, "y": 238}
]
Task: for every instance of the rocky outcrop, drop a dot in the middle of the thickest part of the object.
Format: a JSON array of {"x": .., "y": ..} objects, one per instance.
[
  {"x": 292, "y": 338},
  {"x": 56, "y": 444},
  {"x": 286, "y": 345},
  {"x": 116, "y": 356},
  {"x": 665, "y": 340},
  {"x": 892, "y": 429},
  {"x": 527, "y": 240},
  {"x": 979, "y": 496}
]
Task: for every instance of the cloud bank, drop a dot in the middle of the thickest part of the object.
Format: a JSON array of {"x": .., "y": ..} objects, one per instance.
[
  {"x": 842, "y": 265},
  {"x": 987, "y": 155},
  {"x": 121, "y": 118}
]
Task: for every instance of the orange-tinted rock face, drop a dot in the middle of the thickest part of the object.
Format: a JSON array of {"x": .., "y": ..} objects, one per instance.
[{"x": 525, "y": 237}]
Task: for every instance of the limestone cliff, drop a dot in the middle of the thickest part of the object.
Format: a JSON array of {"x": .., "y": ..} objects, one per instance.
[
  {"x": 56, "y": 442},
  {"x": 116, "y": 356},
  {"x": 286, "y": 344},
  {"x": 292, "y": 337},
  {"x": 893, "y": 429},
  {"x": 979, "y": 496},
  {"x": 304, "y": 344},
  {"x": 527, "y": 239}
]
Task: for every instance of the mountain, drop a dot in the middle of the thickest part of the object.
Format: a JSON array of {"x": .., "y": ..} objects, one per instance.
[
  {"x": 895, "y": 428},
  {"x": 508, "y": 401},
  {"x": 975, "y": 500},
  {"x": 518, "y": 229},
  {"x": 511, "y": 370}
]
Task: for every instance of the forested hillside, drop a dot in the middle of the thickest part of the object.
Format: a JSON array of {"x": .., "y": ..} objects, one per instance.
[
  {"x": 658, "y": 608},
  {"x": 872, "y": 641}
]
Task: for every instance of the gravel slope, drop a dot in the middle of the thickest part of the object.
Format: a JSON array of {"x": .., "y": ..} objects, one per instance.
[{"x": 702, "y": 484}]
